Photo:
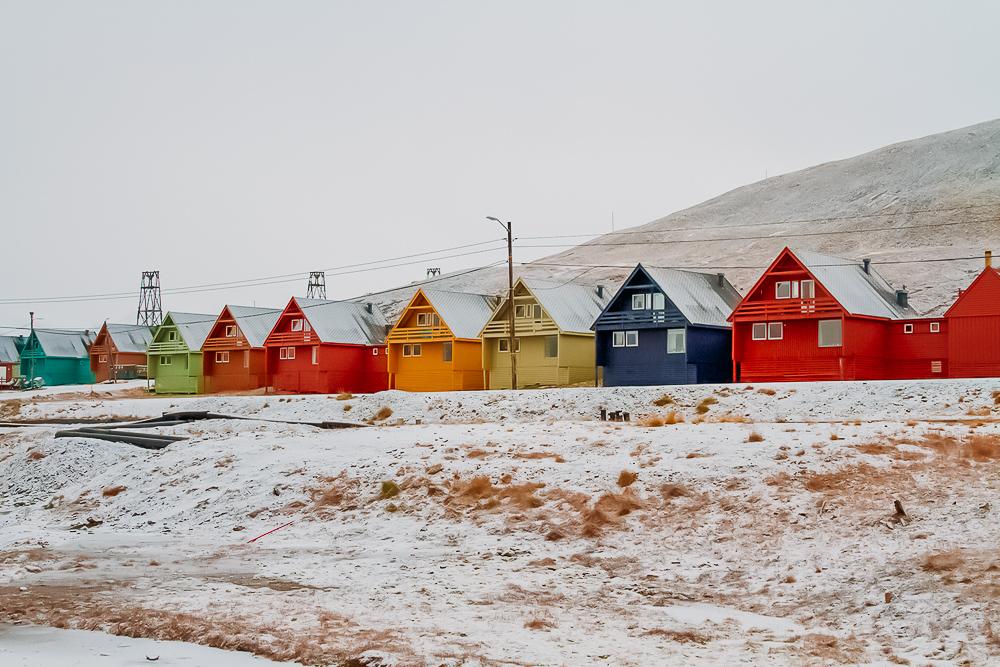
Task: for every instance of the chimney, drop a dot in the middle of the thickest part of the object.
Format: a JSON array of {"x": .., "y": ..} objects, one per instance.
[
  {"x": 721, "y": 278},
  {"x": 370, "y": 308},
  {"x": 600, "y": 291},
  {"x": 902, "y": 298},
  {"x": 867, "y": 264},
  {"x": 989, "y": 259}
]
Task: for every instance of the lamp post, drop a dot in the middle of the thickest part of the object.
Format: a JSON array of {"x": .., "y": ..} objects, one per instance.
[{"x": 510, "y": 299}]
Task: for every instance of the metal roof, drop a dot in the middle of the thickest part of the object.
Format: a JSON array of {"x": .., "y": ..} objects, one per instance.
[
  {"x": 858, "y": 292},
  {"x": 572, "y": 307},
  {"x": 345, "y": 322},
  {"x": 8, "y": 350},
  {"x": 72, "y": 343},
  {"x": 130, "y": 337},
  {"x": 255, "y": 323},
  {"x": 464, "y": 314},
  {"x": 193, "y": 327},
  {"x": 702, "y": 298}
]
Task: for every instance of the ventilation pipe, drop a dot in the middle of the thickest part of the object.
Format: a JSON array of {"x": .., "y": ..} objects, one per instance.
[
  {"x": 600, "y": 291},
  {"x": 902, "y": 298},
  {"x": 721, "y": 278},
  {"x": 989, "y": 259},
  {"x": 867, "y": 264},
  {"x": 370, "y": 307}
]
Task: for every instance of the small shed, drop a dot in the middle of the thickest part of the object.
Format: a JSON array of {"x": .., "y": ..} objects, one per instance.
[
  {"x": 174, "y": 357},
  {"x": 234, "y": 355},
  {"x": 58, "y": 356},
  {"x": 119, "y": 352},
  {"x": 10, "y": 359}
]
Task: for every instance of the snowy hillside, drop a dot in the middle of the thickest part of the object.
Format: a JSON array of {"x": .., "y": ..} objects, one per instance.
[
  {"x": 722, "y": 525},
  {"x": 954, "y": 169}
]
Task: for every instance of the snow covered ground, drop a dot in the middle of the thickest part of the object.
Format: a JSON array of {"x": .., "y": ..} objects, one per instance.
[{"x": 517, "y": 528}]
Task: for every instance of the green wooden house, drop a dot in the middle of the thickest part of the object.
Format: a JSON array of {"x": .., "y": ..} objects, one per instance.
[
  {"x": 58, "y": 356},
  {"x": 174, "y": 357}
]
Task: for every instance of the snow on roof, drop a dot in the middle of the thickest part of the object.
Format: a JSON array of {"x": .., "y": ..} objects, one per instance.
[
  {"x": 65, "y": 342},
  {"x": 255, "y": 323},
  {"x": 130, "y": 337},
  {"x": 858, "y": 292},
  {"x": 572, "y": 307},
  {"x": 464, "y": 314},
  {"x": 8, "y": 350},
  {"x": 193, "y": 327},
  {"x": 699, "y": 296},
  {"x": 345, "y": 322}
]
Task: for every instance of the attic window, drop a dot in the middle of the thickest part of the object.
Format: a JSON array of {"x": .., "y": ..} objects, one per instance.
[
  {"x": 641, "y": 301},
  {"x": 171, "y": 335},
  {"x": 908, "y": 328},
  {"x": 783, "y": 289},
  {"x": 659, "y": 301},
  {"x": 297, "y": 325},
  {"x": 428, "y": 320},
  {"x": 519, "y": 312},
  {"x": 808, "y": 289},
  {"x": 230, "y": 331},
  {"x": 935, "y": 327}
]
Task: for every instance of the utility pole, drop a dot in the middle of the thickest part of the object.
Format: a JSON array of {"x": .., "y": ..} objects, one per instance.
[
  {"x": 510, "y": 300},
  {"x": 31, "y": 337}
]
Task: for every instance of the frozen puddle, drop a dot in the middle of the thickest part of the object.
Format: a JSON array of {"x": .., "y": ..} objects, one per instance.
[
  {"x": 700, "y": 613},
  {"x": 37, "y": 646}
]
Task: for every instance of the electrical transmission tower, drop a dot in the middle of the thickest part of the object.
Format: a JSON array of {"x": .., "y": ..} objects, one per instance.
[
  {"x": 433, "y": 271},
  {"x": 150, "y": 313},
  {"x": 317, "y": 285}
]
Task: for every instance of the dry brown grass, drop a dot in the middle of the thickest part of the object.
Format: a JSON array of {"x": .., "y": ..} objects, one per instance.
[
  {"x": 478, "y": 453},
  {"x": 666, "y": 399},
  {"x": 539, "y": 624},
  {"x": 388, "y": 489},
  {"x": 679, "y": 636},
  {"x": 112, "y": 491},
  {"x": 348, "y": 407},
  {"x": 755, "y": 437},
  {"x": 730, "y": 418},
  {"x": 942, "y": 561},
  {"x": 705, "y": 404},
  {"x": 652, "y": 421},
  {"x": 10, "y": 409},
  {"x": 979, "y": 412},
  {"x": 36, "y": 455},
  {"x": 345, "y": 396},
  {"x": 535, "y": 456},
  {"x": 670, "y": 491},
  {"x": 766, "y": 391},
  {"x": 673, "y": 417},
  {"x": 383, "y": 413},
  {"x": 890, "y": 450},
  {"x": 627, "y": 478},
  {"x": 333, "y": 493}
]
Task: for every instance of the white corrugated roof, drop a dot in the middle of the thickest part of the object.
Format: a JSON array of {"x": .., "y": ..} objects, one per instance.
[
  {"x": 255, "y": 323},
  {"x": 464, "y": 314},
  {"x": 572, "y": 307},
  {"x": 858, "y": 292},
  {"x": 345, "y": 322},
  {"x": 72, "y": 343},
  {"x": 193, "y": 328},
  {"x": 8, "y": 350},
  {"x": 130, "y": 337},
  {"x": 699, "y": 296}
]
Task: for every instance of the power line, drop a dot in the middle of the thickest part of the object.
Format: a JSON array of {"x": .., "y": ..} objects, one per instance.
[{"x": 714, "y": 267}]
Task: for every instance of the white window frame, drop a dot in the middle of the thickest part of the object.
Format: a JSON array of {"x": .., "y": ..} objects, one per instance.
[
  {"x": 315, "y": 355},
  {"x": 781, "y": 330},
  {"x": 447, "y": 345},
  {"x": 520, "y": 311},
  {"x": 787, "y": 284},
  {"x": 102, "y": 359},
  {"x": 374, "y": 351},
  {"x": 282, "y": 353},
  {"x": 536, "y": 311},
  {"x": 937, "y": 366},
  {"x": 935, "y": 327},
  {"x": 754, "y": 329},
  {"x": 171, "y": 335},
  {"x": 231, "y": 331},
  {"x": 505, "y": 342},
  {"x": 635, "y": 336},
  {"x": 246, "y": 358},
  {"x": 297, "y": 324},
  {"x": 683, "y": 339},
  {"x": 809, "y": 293},
  {"x": 819, "y": 333},
  {"x": 908, "y": 328},
  {"x": 166, "y": 360},
  {"x": 617, "y": 339},
  {"x": 306, "y": 326},
  {"x": 423, "y": 319},
  {"x": 222, "y": 357},
  {"x": 639, "y": 301},
  {"x": 659, "y": 301}
]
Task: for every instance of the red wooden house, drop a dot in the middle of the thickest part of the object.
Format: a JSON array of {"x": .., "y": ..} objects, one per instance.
[
  {"x": 974, "y": 327},
  {"x": 233, "y": 355},
  {"x": 816, "y": 317},
  {"x": 119, "y": 352},
  {"x": 323, "y": 347}
]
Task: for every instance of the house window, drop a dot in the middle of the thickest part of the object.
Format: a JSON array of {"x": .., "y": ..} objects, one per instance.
[
  {"x": 759, "y": 331},
  {"x": 374, "y": 351},
  {"x": 222, "y": 357},
  {"x": 519, "y": 312},
  {"x": 631, "y": 339},
  {"x": 296, "y": 325},
  {"x": 551, "y": 347},
  {"x": 775, "y": 330},
  {"x": 618, "y": 339},
  {"x": 808, "y": 289},
  {"x": 166, "y": 361},
  {"x": 935, "y": 327},
  {"x": 171, "y": 335},
  {"x": 446, "y": 351},
  {"x": 908, "y": 328},
  {"x": 423, "y": 319},
  {"x": 230, "y": 331},
  {"x": 504, "y": 345},
  {"x": 103, "y": 359},
  {"x": 286, "y": 353},
  {"x": 935, "y": 367},
  {"x": 640, "y": 301},
  {"x": 315, "y": 355},
  {"x": 676, "y": 341},
  {"x": 412, "y": 350},
  {"x": 659, "y": 301},
  {"x": 306, "y": 326},
  {"x": 783, "y": 289},
  {"x": 291, "y": 353},
  {"x": 246, "y": 358},
  {"x": 538, "y": 312},
  {"x": 830, "y": 333}
]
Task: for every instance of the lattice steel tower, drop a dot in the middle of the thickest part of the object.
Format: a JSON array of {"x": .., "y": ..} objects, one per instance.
[
  {"x": 150, "y": 312},
  {"x": 317, "y": 285}
]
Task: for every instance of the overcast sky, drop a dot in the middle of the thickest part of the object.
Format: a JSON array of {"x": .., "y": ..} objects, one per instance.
[{"x": 220, "y": 141}]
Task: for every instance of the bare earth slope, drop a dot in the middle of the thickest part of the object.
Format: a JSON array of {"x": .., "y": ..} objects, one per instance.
[{"x": 958, "y": 169}]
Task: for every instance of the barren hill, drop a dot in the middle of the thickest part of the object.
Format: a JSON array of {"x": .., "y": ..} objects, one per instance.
[{"x": 923, "y": 199}]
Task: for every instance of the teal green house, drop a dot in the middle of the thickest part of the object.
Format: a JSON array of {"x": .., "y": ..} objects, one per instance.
[
  {"x": 174, "y": 356},
  {"x": 58, "y": 356}
]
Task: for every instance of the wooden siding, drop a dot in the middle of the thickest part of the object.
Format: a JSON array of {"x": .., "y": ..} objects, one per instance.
[
  {"x": 116, "y": 365},
  {"x": 183, "y": 373},
  {"x": 573, "y": 365},
  {"x": 974, "y": 329},
  {"x": 54, "y": 371}
]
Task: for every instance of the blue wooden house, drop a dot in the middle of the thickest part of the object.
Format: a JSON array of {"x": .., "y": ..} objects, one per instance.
[{"x": 666, "y": 326}]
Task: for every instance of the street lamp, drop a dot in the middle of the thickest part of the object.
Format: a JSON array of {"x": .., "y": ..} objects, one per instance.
[{"x": 510, "y": 299}]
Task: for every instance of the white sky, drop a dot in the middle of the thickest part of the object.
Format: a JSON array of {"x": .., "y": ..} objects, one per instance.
[{"x": 221, "y": 141}]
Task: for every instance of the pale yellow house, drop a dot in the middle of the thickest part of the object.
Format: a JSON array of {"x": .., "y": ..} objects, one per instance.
[{"x": 554, "y": 344}]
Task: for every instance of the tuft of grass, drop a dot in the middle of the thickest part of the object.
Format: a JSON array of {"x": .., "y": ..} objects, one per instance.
[
  {"x": 666, "y": 399},
  {"x": 383, "y": 413},
  {"x": 679, "y": 636},
  {"x": 345, "y": 396},
  {"x": 673, "y": 417},
  {"x": 389, "y": 490},
  {"x": 627, "y": 478},
  {"x": 834, "y": 436},
  {"x": 347, "y": 407},
  {"x": 652, "y": 421},
  {"x": 755, "y": 437},
  {"x": 539, "y": 624},
  {"x": 766, "y": 391},
  {"x": 942, "y": 561},
  {"x": 706, "y": 403},
  {"x": 35, "y": 455},
  {"x": 112, "y": 491}
]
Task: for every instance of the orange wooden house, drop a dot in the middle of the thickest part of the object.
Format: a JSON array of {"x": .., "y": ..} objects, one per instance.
[
  {"x": 233, "y": 355},
  {"x": 435, "y": 344},
  {"x": 119, "y": 352}
]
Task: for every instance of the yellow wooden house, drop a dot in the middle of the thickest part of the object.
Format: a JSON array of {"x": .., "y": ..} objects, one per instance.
[
  {"x": 553, "y": 341},
  {"x": 435, "y": 344}
]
